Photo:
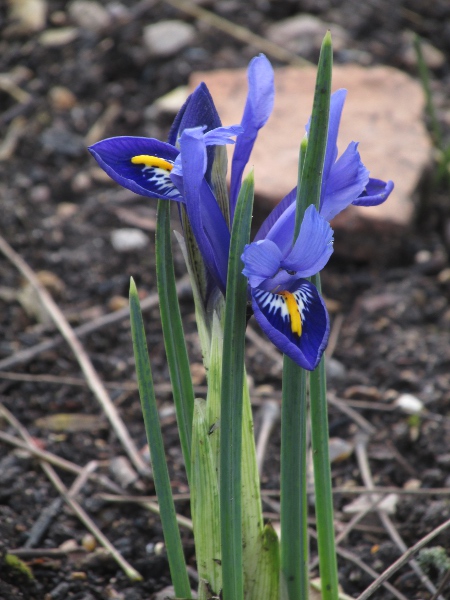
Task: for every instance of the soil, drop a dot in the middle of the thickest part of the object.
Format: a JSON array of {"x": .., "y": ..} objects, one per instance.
[{"x": 58, "y": 213}]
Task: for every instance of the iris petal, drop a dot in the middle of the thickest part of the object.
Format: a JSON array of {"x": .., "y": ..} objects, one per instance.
[
  {"x": 198, "y": 111},
  {"x": 313, "y": 247},
  {"x": 205, "y": 217},
  {"x": 257, "y": 110},
  {"x": 115, "y": 156},
  {"x": 262, "y": 260},
  {"x": 277, "y": 316},
  {"x": 375, "y": 193},
  {"x": 275, "y": 215},
  {"x": 347, "y": 180}
]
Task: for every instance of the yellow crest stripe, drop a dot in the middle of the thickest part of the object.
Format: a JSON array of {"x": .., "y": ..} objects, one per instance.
[
  {"x": 152, "y": 161},
  {"x": 294, "y": 313}
]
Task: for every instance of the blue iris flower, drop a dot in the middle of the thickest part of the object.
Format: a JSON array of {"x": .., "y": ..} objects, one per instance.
[
  {"x": 287, "y": 306},
  {"x": 190, "y": 169}
]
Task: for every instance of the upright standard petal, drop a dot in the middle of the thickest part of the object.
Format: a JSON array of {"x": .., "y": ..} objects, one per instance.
[
  {"x": 142, "y": 165},
  {"x": 257, "y": 110},
  {"x": 313, "y": 247},
  {"x": 198, "y": 111},
  {"x": 205, "y": 217},
  {"x": 347, "y": 179},
  {"x": 296, "y": 322}
]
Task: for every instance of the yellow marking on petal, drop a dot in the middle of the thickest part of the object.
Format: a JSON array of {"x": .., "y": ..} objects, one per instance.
[
  {"x": 152, "y": 161},
  {"x": 294, "y": 313}
]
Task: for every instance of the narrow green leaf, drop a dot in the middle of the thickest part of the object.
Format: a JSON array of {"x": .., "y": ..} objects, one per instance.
[
  {"x": 322, "y": 478},
  {"x": 231, "y": 404},
  {"x": 294, "y": 505},
  {"x": 205, "y": 503},
  {"x": 152, "y": 428},
  {"x": 301, "y": 201},
  {"x": 311, "y": 179},
  {"x": 174, "y": 341}
]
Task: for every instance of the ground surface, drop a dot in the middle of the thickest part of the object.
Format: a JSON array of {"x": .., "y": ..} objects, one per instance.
[{"x": 58, "y": 215}]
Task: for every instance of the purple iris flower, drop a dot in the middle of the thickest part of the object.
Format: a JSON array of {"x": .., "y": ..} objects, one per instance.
[
  {"x": 287, "y": 306},
  {"x": 196, "y": 177},
  {"x": 190, "y": 169}
]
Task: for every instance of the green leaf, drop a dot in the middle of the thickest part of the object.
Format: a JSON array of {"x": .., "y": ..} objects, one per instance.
[
  {"x": 205, "y": 503},
  {"x": 322, "y": 478},
  {"x": 294, "y": 505},
  {"x": 174, "y": 341},
  {"x": 172, "y": 538},
  {"x": 231, "y": 403},
  {"x": 308, "y": 192}
]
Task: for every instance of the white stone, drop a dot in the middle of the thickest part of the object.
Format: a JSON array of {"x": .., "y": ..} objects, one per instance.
[
  {"x": 128, "y": 239},
  {"x": 166, "y": 38},
  {"x": 89, "y": 15},
  {"x": 409, "y": 404},
  {"x": 362, "y": 503},
  {"x": 28, "y": 16},
  {"x": 55, "y": 38},
  {"x": 302, "y": 34}
]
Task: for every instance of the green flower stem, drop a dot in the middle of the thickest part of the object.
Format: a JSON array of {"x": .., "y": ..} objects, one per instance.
[
  {"x": 177, "y": 358},
  {"x": 294, "y": 508},
  {"x": 172, "y": 538},
  {"x": 322, "y": 478},
  {"x": 231, "y": 400}
]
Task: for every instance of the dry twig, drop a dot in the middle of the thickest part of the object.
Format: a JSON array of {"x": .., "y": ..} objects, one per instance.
[
  {"x": 24, "y": 356},
  {"x": 361, "y": 454},
  {"x": 67, "y": 495},
  {"x": 90, "y": 373}
]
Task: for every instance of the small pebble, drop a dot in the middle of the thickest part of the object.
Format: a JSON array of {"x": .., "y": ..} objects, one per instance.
[
  {"x": 62, "y": 98},
  {"x": 303, "y": 34},
  {"x": 89, "y": 15},
  {"x": 128, "y": 239},
  {"x": 89, "y": 542},
  {"x": 159, "y": 548},
  {"x": 409, "y": 404},
  {"x": 78, "y": 576},
  {"x": 166, "y": 38},
  {"x": 28, "y": 16},
  {"x": 55, "y": 38},
  {"x": 335, "y": 370},
  {"x": 122, "y": 471},
  {"x": 40, "y": 193},
  {"x": 81, "y": 182}
]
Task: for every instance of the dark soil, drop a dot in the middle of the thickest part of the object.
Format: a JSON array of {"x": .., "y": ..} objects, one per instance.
[{"x": 58, "y": 214}]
